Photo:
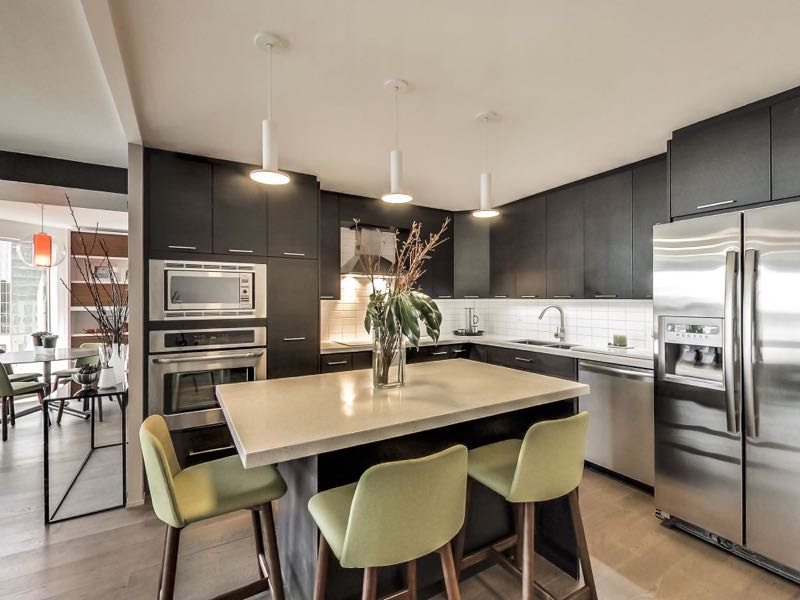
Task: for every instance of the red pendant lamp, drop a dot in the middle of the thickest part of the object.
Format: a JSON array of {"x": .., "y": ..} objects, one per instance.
[{"x": 42, "y": 247}]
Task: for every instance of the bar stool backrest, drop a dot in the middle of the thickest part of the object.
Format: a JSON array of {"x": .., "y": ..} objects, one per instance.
[
  {"x": 161, "y": 466},
  {"x": 406, "y": 509},
  {"x": 550, "y": 462}
]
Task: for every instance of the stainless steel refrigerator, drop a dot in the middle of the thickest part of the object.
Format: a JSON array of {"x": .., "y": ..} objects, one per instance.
[{"x": 727, "y": 388}]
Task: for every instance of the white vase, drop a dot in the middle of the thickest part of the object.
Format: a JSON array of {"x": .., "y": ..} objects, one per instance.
[
  {"x": 114, "y": 373},
  {"x": 107, "y": 378}
]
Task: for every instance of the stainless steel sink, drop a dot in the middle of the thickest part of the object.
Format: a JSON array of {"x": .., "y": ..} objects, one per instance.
[{"x": 546, "y": 344}]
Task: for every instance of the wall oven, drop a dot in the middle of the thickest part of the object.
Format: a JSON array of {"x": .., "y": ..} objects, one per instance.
[
  {"x": 207, "y": 290},
  {"x": 185, "y": 366}
]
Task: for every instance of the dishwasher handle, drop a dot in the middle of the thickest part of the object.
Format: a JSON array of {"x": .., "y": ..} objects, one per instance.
[{"x": 616, "y": 371}]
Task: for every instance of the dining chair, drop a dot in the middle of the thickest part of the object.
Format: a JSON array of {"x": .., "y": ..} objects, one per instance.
[
  {"x": 10, "y": 391},
  {"x": 62, "y": 374},
  {"x": 12, "y": 376}
]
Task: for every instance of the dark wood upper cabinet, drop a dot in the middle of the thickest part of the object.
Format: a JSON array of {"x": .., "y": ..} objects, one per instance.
[
  {"x": 786, "y": 149},
  {"x": 437, "y": 281},
  {"x": 329, "y": 247},
  {"x": 565, "y": 243},
  {"x": 650, "y": 206},
  {"x": 240, "y": 211},
  {"x": 723, "y": 164},
  {"x": 179, "y": 205},
  {"x": 293, "y": 218},
  {"x": 502, "y": 256},
  {"x": 608, "y": 236},
  {"x": 529, "y": 223},
  {"x": 470, "y": 256},
  {"x": 293, "y": 304}
]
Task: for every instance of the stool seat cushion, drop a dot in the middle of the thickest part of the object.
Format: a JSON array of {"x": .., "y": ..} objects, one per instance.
[
  {"x": 65, "y": 372},
  {"x": 494, "y": 465},
  {"x": 223, "y": 486},
  {"x": 26, "y": 387},
  {"x": 331, "y": 511},
  {"x": 12, "y": 377}
]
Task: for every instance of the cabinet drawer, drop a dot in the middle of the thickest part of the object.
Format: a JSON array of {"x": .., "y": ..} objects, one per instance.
[
  {"x": 538, "y": 362},
  {"x": 334, "y": 363},
  {"x": 427, "y": 354},
  {"x": 459, "y": 350},
  {"x": 195, "y": 446}
]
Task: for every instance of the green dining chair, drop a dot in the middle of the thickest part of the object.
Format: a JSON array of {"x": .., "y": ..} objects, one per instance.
[
  {"x": 546, "y": 464},
  {"x": 10, "y": 391},
  {"x": 396, "y": 513},
  {"x": 13, "y": 377},
  {"x": 181, "y": 497},
  {"x": 62, "y": 374}
]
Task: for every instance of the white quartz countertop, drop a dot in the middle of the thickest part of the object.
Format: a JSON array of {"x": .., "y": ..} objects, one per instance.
[
  {"x": 635, "y": 357},
  {"x": 278, "y": 420}
]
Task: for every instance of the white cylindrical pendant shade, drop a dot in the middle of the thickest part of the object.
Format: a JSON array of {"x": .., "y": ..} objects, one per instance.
[
  {"x": 396, "y": 195},
  {"x": 269, "y": 173},
  {"x": 486, "y": 209}
]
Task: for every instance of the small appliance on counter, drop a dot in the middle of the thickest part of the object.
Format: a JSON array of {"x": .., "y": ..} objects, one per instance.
[{"x": 466, "y": 333}]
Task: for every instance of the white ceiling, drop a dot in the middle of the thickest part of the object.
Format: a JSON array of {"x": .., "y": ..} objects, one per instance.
[
  {"x": 582, "y": 86},
  {"x": 54, "y": 100}
]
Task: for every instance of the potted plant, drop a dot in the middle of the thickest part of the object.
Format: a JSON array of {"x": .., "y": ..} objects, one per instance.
[
  {"x": 48, "y": 341},
  {"x": 109, "y": 302},
  {"x": 396, "y": 307},
  {"x": 37, "y": 338}
]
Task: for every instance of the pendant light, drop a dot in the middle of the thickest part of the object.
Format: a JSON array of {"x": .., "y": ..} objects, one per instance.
[
  {"x": 396, "y": 194},
  {"x": 268, "y": 173},
  {"x": 486, "y": 211},
  {"x": 46, "y": 253}
]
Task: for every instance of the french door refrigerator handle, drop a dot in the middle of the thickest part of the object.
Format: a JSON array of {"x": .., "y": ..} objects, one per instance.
[
  {"x": 729, "y": 366},
  {"x": 748, "y": 343}
]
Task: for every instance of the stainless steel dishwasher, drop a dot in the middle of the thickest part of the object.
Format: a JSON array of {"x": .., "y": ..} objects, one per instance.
[{"x": 620, "y": 406}]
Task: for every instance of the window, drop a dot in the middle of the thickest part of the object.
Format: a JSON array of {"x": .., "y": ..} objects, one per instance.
[{"x": 23, "y": 294}]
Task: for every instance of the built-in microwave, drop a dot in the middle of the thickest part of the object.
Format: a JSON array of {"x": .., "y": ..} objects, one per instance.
[{"x": 207, "y": 290}]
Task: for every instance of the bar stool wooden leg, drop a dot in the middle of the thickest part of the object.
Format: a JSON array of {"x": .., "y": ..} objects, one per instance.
[
  {"x": 412, "y": 580},
  {"x": 321, "y": 577},
  {"x": 258, "y": 536},
  {"x": 370, "y": 589},
  {"x": 528, "y": 587},
  {"x": 170, "y": 563},
  {"x": 271, "y": 547},
  {"x": 580, "y": 538},
  {"x": 519, "y": 523},
  {"x": 461, "y": 538},
  {"x": 449, "y": 571}
]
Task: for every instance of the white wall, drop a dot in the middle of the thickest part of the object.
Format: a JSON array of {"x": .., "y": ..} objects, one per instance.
[{"x": 588, "y": 322}]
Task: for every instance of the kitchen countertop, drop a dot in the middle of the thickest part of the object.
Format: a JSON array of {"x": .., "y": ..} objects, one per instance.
[
  {"x": 635, "y": 357},
  {"x": 279, "y": 420}
]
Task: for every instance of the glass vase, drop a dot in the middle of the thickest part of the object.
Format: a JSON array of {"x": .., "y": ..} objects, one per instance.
[{"x": 388, "y": 359}]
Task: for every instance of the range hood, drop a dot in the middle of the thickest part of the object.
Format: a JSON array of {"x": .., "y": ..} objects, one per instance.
[{"x": 366, "y": 246}]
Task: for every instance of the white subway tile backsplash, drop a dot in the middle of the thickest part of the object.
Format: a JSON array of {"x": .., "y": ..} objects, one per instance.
[{"x": 590, "y": 322}]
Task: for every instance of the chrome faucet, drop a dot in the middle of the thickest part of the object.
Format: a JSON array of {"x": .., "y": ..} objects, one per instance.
[{"x": 560, "y": 333}]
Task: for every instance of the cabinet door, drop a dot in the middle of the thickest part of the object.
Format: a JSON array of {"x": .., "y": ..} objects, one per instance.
[
  {"x": 178, "y": 202},
  {"x": 565, "y": 243},
  {"x": 202, "y": 444},
  {"x": 329, "y": 247},
  {"x": 529, "y": 219},
  {"x": 723, "y": 164},
  {"x": 608, "y": 236},
  {"x": 502, "y": 256},
  {"x": 293, "y": 218},
  {"x": 293, "y": 317},
  {"x": 336, "y": 363},
  {"x": 471, "y": 256},
  {"x": 437, "y": 281},
  {"x": 650, "y": 206},
  {"x": 240, "y": 211},
  {"x": 786, "y": 149}
]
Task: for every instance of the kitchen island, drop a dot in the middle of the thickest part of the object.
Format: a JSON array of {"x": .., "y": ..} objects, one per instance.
[{"x": 325, "y": 430}]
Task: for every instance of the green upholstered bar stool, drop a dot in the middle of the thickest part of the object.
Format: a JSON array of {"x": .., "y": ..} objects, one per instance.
[
  {"x": 546, "y": 464},
  {"x": 182, "y": 497},
  {"x": 14, "y": 377},
  {"x": 396, "y": 513},
  {"x": 9, "y": 391}
]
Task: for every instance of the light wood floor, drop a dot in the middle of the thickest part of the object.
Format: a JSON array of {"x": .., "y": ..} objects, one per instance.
[{"x": 117, "y": 554}]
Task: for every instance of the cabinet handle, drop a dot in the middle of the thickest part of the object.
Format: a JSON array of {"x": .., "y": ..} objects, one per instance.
[
  {"x": 529, "y": 296},
  {"x": 294, "y": 339},
  {"x": 337, "y": 362},
  {"x": 471, "y": 297},
  {"x": 443, "y": 297},
  {"x": 723, "y": 203},
  {"x": 210, "y": 450},
  {"x": 566, "y": 296},
  {"x": 240, "y": 251},
  {"x": 171, "y": 247},
  {"x": 294, "y": 253},
  {"x": 501, "y": 296},
  {"x": 525, "y": 360},
  {"x": 460, "y": 350},
  {"x": 605, "y": 295},
  {"x": 326, "y": 297},
  {"x": 439, "y": 353}
]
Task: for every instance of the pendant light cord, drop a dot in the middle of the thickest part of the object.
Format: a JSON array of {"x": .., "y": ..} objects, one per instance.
[
  {"x": 396, "y": 91},
  {"x": 269, "y": 82},
  {"x": 485, "y": 147}
]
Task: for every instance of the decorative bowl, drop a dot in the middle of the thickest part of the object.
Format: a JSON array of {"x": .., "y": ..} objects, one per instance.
[{"x": 85, "y": 379}]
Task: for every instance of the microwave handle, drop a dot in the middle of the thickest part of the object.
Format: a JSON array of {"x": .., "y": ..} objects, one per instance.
[{"x": 183, "y": 359}]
